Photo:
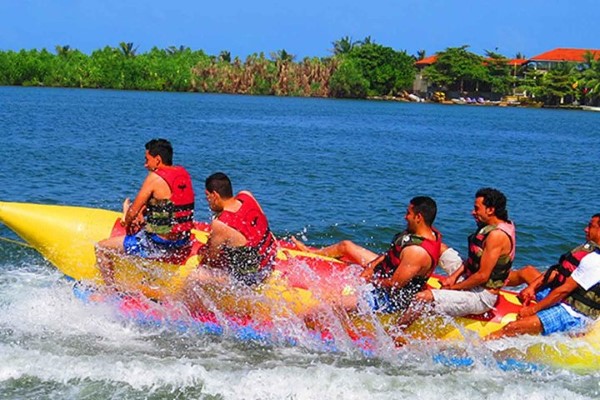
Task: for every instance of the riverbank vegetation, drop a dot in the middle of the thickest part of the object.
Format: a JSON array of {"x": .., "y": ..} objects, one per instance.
[{"x": 356, "y": 69}]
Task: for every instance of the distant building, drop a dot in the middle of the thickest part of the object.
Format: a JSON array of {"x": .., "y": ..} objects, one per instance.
[
  {"x": 422, "y": 87},
  {"x": 550, "y": 59},
  {"x": 542, "y": 62},
  {"x": 420, "y": 84}
]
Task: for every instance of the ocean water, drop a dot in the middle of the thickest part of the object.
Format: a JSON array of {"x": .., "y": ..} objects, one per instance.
[{"x": 323, "y": 170}]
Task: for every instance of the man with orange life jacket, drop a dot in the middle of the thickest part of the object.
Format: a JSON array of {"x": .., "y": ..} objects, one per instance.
[
  {"x": 567, "y": 294},
  {"x": 401, "y": 272},
  {"x": 159, "y": 221},
  {"x": 240, "y": 241},
  {"x": 474, "y": 287}
]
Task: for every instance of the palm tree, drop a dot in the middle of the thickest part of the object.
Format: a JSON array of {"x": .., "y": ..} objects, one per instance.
[
  {"x": 589, "y": 82},
  {"x": 171, "y": 50},
  {"x": 366, "y": 40},
  {"x": 127, "y": 49},
  {"x": 225, "y": 56},
  {"x": 63, "y": 51},
  {"x": 421, "y": 55},
  {"x": 343, "y": 45},
  {"x": 520, "y": 56},
  {"x": 282, "y": 55}
]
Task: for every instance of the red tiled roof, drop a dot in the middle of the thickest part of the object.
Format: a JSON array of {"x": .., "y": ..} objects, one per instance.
[
  {"x": 427, "y": 60},
  {"x": 432, "y": 59},
  {"x": 517, "y": 62},
  {"x": 573, "y": 55}
]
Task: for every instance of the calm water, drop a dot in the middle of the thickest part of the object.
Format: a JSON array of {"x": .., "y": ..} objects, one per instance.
[{"x": 322, "y": 169}]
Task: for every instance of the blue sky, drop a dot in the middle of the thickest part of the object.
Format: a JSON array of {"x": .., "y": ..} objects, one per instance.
[{"x": 303, "y": 28}]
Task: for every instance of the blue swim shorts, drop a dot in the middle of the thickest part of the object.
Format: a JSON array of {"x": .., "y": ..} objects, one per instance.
[
  {"x": 151, "y": 246},
  {"x": 557, "y": 318},
  {"x": 380, "y": 301}
]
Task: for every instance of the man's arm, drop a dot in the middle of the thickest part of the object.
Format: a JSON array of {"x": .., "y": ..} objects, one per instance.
[
  {"x": 451, "y": 280},
  {"x": 496, "y": 244},
  {"x": 414, "y": 261},
  {"x": 216, "y": 240},
  {"x": 367, "y": 273},
  {"x": 554, "y": 297},
  {"x": 528, "y": 294},
  {"x": 221, "y": 235},
  {"x": 141, "y": 199}
]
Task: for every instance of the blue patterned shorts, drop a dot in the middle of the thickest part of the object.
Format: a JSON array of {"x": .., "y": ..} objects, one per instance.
[
  {"x": 556, "y": 318},
  {"x": 151, "y": 246}
]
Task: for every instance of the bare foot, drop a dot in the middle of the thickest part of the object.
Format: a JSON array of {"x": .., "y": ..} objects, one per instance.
[{"x": 301, "y": 246}]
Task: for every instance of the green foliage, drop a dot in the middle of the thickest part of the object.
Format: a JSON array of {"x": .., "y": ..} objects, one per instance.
[
  {"x": 358, "y": 69},
  {"x": 499, "y": 72},
  {"x": 558, "y": 84},
  {"x": 589, "y": 81},
  {"x": 343, "y": 45},
  {"x": 454, "y": 67},
  {"x": 387, "y": 71},
  {"x": 348, "y": 81}
]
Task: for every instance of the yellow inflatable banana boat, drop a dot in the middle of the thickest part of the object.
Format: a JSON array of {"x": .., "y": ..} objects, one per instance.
[
  {"x": 66, "y": 235},
  {"x": 300, "y": 284}
]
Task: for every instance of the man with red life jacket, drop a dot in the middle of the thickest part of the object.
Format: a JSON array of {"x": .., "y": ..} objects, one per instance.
[
  {"x": 240, "y": 240},
  {"x": 403, "y": 270},
  {"x": 567, "y": 294},
  {"x": 160, "y": 219},
  {"x": 474, "y": 287}
]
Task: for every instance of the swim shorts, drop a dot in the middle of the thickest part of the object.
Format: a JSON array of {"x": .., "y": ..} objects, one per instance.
[
  {"x": 151, "y": 246},
  {"x": 557, "y": 318},
  {"x": 457, "y": 303},
  {"x": 381, "y": 301}
]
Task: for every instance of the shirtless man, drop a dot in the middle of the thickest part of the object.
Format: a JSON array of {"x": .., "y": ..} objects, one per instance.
[{"x": 159, "y": 221}]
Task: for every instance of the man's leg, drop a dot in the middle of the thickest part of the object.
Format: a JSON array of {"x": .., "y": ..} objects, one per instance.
[
  {"x": 457, "y": 303},
  {"x": 200, "y": 285},
  {"x": 525, "y": 275},
  {"x": 529, "y": 325},
  {"x": 345, "y": 249},
  {"x": 104, "y": 250}
]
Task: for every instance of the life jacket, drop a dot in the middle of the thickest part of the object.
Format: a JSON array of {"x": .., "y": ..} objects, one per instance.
[
  {"x": 502, "y": 268},
  {"x": 385, "y": 269},
  {"x": 261, "y": 247},
  {"x": 176, "y": 214},
  {"x": 584, "y": 301},
  {"x": 567, "y": 263}
]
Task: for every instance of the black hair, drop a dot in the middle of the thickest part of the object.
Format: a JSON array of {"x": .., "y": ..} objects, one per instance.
[
  {"x": 425, "y": 206},
  {"x": 162, "y": 148},
  {"x": 220, "y": 183},
  {"x": 494, "y": 198}
]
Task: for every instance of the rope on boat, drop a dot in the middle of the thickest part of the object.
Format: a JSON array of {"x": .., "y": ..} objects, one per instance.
[{"x": 17, "y": 242}]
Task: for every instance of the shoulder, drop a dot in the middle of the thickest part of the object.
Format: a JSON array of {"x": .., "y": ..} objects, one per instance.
[
  {"x": 219, "y": 228},
  {"x": 415, "y": 253},
  {"x": 497, "y": 236},
  {"x": 154, "y": 177},
  {"x": 152, "y": 181},
  {"x": 591, "y": 260},
  {"x": 587, "y": 274}
]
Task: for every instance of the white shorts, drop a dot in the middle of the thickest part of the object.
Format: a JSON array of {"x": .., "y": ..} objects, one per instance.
[{"x": 457, "y": 303}]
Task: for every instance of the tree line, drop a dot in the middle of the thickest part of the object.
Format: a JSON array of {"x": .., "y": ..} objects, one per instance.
[{"x": 356, "y": 69}]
